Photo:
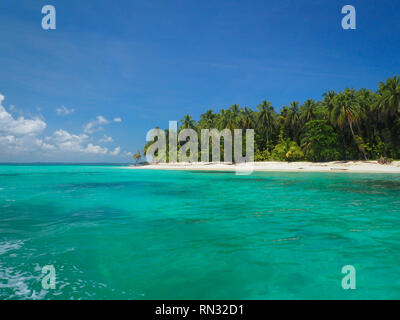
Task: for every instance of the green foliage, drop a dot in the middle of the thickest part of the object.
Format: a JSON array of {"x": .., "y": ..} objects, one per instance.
[
  {"x": 347, "y": 125},
  {"x": 287, "y": 150},
  {"x": 262, "y": 155},
  {"x": 319, "y": 141},
  {"x": 137, "y": 156}
]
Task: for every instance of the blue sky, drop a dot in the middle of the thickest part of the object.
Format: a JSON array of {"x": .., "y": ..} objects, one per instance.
[{"x": 124, "y": 67}]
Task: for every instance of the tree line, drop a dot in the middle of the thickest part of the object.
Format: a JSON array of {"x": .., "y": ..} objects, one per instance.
[{"x": 346, "y": 125}]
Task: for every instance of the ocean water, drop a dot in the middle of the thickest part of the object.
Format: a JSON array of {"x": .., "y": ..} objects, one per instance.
[{"x": 113, "y": 233}]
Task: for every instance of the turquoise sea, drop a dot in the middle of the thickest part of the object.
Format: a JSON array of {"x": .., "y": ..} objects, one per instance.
[{"x": 113, "y": 233}]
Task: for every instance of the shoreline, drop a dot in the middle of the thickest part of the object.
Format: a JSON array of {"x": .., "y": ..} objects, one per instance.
[{"x": 268, "y": 166}]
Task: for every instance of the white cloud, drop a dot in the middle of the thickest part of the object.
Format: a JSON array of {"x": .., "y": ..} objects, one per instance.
[
  {"x": 66, "y": 141},
  {"x": 22, "y": 138},
  {"x": 97, "y": 124},
  {"x": 95, "y": 149},
  {"x": 43, "y": 145},
  {"x": 7, "y": 139},
  {"x": 116, "y": 151},
  {"x": 106, "y": 139},
  {"x": 64, "y": 111},
  {"x": 19, "y": 126},
  {"x": 12, "y": 145},
  {"x": 20, "y": 135}
]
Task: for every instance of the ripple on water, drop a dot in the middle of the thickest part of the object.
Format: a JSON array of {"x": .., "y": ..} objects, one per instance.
[{"x": 15, "y": 283}]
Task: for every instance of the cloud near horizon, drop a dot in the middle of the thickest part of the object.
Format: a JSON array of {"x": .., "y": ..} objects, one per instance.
[{"x": 22, "y": 136}]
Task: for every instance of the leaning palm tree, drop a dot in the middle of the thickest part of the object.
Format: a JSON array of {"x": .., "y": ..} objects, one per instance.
[
  {"x": 347, "y": 112},
  {"x": 266, "y": 119},
  {"x": 137, "y": 156}
]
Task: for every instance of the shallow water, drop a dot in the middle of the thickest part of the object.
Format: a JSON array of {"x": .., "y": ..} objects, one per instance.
[{"x": 113, "y": 233}]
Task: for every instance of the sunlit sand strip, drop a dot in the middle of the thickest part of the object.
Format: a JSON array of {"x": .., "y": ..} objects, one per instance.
[{"x": 334, "y": 166}]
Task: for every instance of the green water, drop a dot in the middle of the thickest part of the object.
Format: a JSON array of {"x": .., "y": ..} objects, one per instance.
[{"x": 113, "y": 233}]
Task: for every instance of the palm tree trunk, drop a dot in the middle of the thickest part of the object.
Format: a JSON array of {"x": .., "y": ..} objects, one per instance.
[
  {"x": 343, "y": 138},
  {"x": 355, "y": 139}
]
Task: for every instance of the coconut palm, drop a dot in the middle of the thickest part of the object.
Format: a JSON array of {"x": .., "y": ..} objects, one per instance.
[
  {"x": 187, "y": 123},
  {"x": 235, "y": 109},
  {"x": 328, "y": 102},
  {"x": 369, "y": 120},
  {"x": 308, "y": 111},
  {"x": 293, "y": 120},
  {"x": 137, "y": 156},
  {"x": 207, "y": 119},
  {"x": 228, "y": 120},
  {"x": 246, "y": 119},
  {"x": 389, "y": 102},
  {"x": 347, "y": 112},
  {"x": 367, "y": 123},
  {"x": 266, "y": 119}
]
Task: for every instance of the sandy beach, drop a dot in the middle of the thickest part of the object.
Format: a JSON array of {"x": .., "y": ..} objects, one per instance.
[{"x": 334, "y": 166}]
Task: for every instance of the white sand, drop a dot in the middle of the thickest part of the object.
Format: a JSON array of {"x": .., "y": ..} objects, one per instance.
[{"x": 334, "y": 166}]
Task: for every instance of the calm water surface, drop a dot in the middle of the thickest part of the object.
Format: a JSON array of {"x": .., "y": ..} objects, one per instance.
[{"x": 113, "y": 233}]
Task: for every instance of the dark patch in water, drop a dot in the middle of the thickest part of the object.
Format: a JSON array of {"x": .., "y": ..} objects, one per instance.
[{"x": 96, "y": 185}]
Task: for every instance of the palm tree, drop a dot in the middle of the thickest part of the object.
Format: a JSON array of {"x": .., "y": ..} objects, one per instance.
[
  {"x": 366, "y": 122},
  {"x": 368, "y": 126},
  {"x": 307, "y": 111},
  {"x": 328, "y": 102},
  {"x": 235, "y": 110},
  {"x": 187, "y": 123},
  {"x": 228, "y": 120},
  {"x": 389, "y": 102},
  {"x": 293, "y": 120},
  {"x": 246, "y": 119},
  {"x": 207, "y": 119},
  {"x": 265, "y": 118},
  {"x": 347, "y": 111},
  {"x": 137, "y": 156}
]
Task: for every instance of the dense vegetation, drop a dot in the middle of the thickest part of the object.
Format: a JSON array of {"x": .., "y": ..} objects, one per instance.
[{"x": 346, "y": 125}]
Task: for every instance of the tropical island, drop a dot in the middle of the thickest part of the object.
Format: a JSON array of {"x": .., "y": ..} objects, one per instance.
[{"x": 351, "y": 125}]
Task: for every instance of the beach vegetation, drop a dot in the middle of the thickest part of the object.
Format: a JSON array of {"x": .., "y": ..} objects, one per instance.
[
  {"x": 319, "y": 141},
  {"x": 137, "y": 156},
  {"x": 287, "y": 150},
  {"x": 346, "y": 125}
]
